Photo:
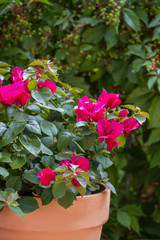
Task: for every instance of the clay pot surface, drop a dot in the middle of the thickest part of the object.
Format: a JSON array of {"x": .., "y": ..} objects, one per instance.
[{"x": 82, "y": 221}]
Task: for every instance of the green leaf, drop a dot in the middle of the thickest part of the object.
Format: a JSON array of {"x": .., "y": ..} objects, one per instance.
[
  {"x": 122, "y": 140},
  {"x": 142, "y": 14},
  {"x": 3, "y": 71},
  {"x": 140, "y": 118},
  {"x": 104, "y": 161},
  {"x": 133, "y": 209},
  {"x": 154, "y": 136},
  {"x": 131, "y": 19},
  {"x": 46, "y": 150},
  {"x": 152, "y": 81},
  {"x": 32, "y": 85},
  {"x": 82, "y": 181},
  {"x": 124, "y": 219},
  {"x": 8, "y": 137},
  {"x": 4, "y": 172},
  {"x": 67, "y": 200},
  {"x": 14, "y": 182},
  {"x": 33, "y": 126},
  {"x": 28, "y": 204},
  {"x": 17, "y": 127},
  {"x": 111, "y": 187},
  {"x": 3, "y": 64},
  {"x": 59, "y": 189},
  {"x": 5, "y": 157},
  {"x": 88, "y": 141},
  {"x": 48, "y": 128},
  {"x": 21, "y": 117},
  {"x": 111, "y": 37},
  {"x": 86, "y": 47},
  {"x": 3, "y": 128},
  {"x": 46, "y": 196},
  {"x": 17, "y": 162},
  {"x": 135, "y": 224},
  {"x": 80, "y": 124},
  {"x": 90, "y": 20},
  {"x": 155, "y": 160},
  {"x": 136, "y": 49},
  {"x": 43, "y": 95},
  {"x": 155, "y": 22},
  {"x": 154, "y": 111},
  {"x": 94, "y": 35},
  {"x": 31, "y": 143},
  {"x": 81, "y": 190},
  {"x": 64, "y": 139},
  {"x": 35, "y": 63},
  {"x": 17, "y": 211},
  {"x": 156, "y": 34},
  {"x": 31, "y": 176},
  {"x": 44, "y": 1}
]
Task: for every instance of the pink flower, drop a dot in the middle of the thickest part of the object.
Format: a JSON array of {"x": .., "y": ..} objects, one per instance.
[
  {"x": 81, "y": 163},
  {"x": 111, "y": 143},
  {"x": 87, "y": 111},
  {"x": 123, "y": 113},
  {"x": 109, "y": 99},
  {"x": 47, "y": 175},
  {"x": 110, "y": 129},
  {"x": 14, "y": 94},
  {"x": 48, "y": 84},
  {"x": 17, "y": 74},
  {"x": 129, "y": 125}
]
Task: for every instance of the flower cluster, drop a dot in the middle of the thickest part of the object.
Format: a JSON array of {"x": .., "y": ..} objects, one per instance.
[
  {"x": 111, "y": 129},
  {"x": 18, "y": 92}
]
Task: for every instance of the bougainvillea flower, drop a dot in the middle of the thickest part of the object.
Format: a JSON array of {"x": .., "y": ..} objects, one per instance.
[
  {"x": 88, "y": 111},
  {"x": 129, "y": 125},
  {"x": 111, "y": 143},
  {"x": 46, "y": 176},
  {"x": 110, "y": 100},
  {"x": 82, "y": 163},
  {"x": 48, "y": 84},
  {"x": 123, "y": 113},
  {"x": 107, "y": 129},
  {"x": 15, "y": 94},
  {"x": 17, "y": 74}
]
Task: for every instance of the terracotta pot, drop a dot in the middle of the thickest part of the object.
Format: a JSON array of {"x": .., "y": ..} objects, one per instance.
[{"x": 82, "y": 221}]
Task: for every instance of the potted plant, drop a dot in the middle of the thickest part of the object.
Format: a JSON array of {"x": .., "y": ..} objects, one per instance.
[{"x": 55, "y": 149}]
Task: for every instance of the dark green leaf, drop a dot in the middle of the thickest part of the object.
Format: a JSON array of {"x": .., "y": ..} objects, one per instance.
[
  {"x": 135, "y": 224},
  {"x": 105, "y": 161},
  {"x": 17, "y": 211},
  {"x": 124, "y": 219},
  {"x": 131, "y": 19},
  {"x": 59, "y": 189},
  {"x": 43, "y": 95},
  {"x": 17, "y": 162},
  {"x": 67, "y": 200},
  {"x": 111, "y": 187},
  {"x": 31, "y": 143},
  {"x": 4, "y": 172},
  {"x": 133, "y": 209},
  {"x": 46, "y": 196},
  {"x": 48, "y": 128},
  {"x": 111, "y": 37},
  {"x": 64, "y": 139},
  {"x": 28, "y": 204},
  {"x": 3, "y": 128},
  {"x": 17, "y": 127},
  {"x": 94, "y": 35},
  {"x": 155, "y": 22},
  {"x": 14, "y": 182},
  {"x": 33, "y": 126},
  {"x": 31, "y": 176},
  {"x": 152, "y": 81}
]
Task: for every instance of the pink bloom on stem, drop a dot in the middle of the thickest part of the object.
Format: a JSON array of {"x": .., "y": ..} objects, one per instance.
[
  {"x": 129, "y": 125},
  {"x": 123, "y": 113},
  {"x": 109, "y": 99},
  {"x": 17, "y": 74},
  {"x": 82, "y": 163},
  {"x": 7, "y": 95},
  {"x": 87, "y": 111},
  {"x": 48, "y": 84},
  {"x": 111, "y": 143},
  {"x": 110, "y": 129},
  {"x": 46, "y": 176}
]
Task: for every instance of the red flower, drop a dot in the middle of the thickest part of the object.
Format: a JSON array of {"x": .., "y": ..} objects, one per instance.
[
  {"x": 110, "y": 129},
  {"x": 87, "y": 111},
  {"x": 82, "y": 163},
  {"x": 109, "y": 99},
  {"x": 15, "y": 94},
  {"x": 123, "y": 113},
  {"x": 17, "y": 74},
  {"x": 47, "y": 175},
  {"x": 48, "y": 84},
  {"x": 111, "y": 143},
  {"x": 129, "y": 125}
]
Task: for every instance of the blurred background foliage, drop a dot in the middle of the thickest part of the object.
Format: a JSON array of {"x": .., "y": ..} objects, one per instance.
[{"x": 112, "y": 44}]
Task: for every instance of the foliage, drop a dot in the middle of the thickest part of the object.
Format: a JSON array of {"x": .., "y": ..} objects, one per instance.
[{"x": 110, "y": 44}]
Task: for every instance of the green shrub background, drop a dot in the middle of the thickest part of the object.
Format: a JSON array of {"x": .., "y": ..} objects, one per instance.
[{"x": 112, "y": 44}]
